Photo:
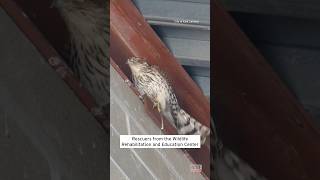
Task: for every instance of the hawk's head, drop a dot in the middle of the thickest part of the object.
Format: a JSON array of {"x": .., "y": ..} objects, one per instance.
[{"x": 136, "y": 64}]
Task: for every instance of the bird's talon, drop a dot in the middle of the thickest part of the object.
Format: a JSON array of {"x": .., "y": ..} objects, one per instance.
[
  {"x": 156, "y": 105},
  {"x": 162, "y": 126}
]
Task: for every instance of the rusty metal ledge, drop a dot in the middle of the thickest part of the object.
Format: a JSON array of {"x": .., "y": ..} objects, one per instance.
[{"x": 132, "y": 36}]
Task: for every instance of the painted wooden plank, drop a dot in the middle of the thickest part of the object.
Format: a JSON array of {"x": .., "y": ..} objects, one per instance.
[{"x": 257, "y": 116}]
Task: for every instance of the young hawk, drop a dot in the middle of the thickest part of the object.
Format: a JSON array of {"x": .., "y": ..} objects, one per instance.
[{"x": 150, "y": 81}]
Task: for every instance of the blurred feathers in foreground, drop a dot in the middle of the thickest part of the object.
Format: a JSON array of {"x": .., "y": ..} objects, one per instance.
[
  {"x": 227, "y": 165},
  {"x": 88, "y": 25}
]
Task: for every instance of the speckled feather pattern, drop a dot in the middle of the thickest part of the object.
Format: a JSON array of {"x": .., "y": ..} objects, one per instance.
[
  {"x": 149, "y": 80},
  {"x": 88, "y": 24},
  {"x": 227, "y": 165}
]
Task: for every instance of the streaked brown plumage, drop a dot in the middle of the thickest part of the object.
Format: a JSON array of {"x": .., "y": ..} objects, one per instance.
[
  {"x": 88, "y": 25},
  {"x": 150, "y": 80},
  {"x": 227, "y": 165}
]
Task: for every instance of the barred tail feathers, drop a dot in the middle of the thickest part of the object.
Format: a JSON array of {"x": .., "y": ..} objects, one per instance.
[{"x": 189, "y": 126}]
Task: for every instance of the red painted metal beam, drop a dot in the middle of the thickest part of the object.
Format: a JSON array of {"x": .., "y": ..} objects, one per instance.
[
  {"x": 256, "y": 114},
  {"x": 132, "y": 36}
]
